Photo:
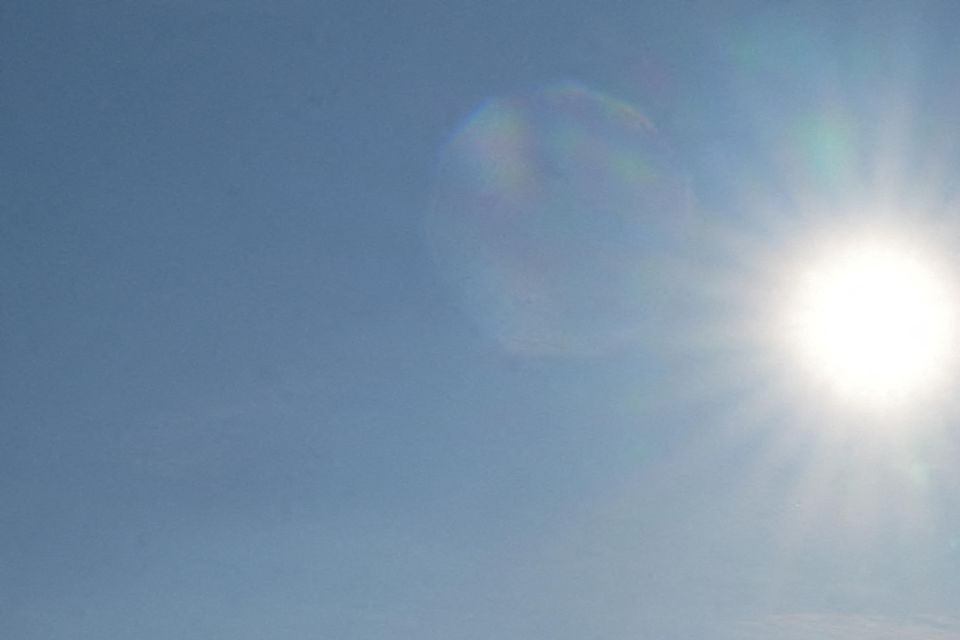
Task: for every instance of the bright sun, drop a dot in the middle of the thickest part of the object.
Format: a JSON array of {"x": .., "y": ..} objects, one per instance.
[{"x": 874, "y": 321}]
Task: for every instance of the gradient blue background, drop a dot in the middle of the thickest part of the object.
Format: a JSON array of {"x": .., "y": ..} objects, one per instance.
[{"x": 238, "y": 399}]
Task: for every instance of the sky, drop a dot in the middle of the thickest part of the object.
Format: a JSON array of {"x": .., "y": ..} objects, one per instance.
[{"x": 363, "y": 320}]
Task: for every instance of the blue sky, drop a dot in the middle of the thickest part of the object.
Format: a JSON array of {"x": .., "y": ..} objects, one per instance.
[{"x": 286, "y": 351}]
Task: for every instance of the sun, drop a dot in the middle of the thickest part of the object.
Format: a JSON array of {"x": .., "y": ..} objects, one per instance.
[{"x": 874, "y": 320}]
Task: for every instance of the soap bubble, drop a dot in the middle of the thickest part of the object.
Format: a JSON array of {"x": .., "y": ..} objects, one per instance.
[{"x": 554, "y": 217}]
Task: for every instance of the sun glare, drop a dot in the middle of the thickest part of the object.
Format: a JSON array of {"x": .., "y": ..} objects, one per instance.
[{"x": 875, "y": 322}]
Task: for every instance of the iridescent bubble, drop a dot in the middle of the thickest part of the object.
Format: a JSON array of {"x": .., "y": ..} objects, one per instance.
[{"x": 553, "y": 216}]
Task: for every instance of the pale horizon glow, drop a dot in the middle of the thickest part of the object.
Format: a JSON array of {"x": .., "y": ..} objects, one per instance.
[{"x": 875, "y": 322}]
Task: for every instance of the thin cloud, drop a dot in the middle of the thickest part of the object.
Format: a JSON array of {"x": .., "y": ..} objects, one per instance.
[{"x": 849, "y": 627}]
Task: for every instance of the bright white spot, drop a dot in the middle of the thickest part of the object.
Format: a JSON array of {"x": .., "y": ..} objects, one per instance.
[{"x": 875, "y": 322}]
